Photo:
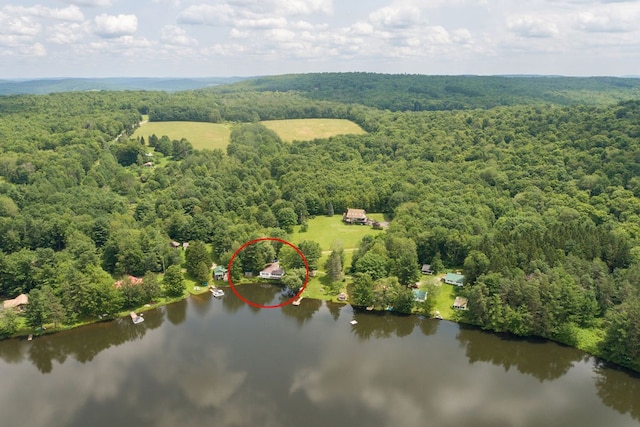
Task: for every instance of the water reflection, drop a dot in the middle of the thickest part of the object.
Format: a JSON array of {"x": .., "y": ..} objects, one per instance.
[
  {"x": 542, "y": 359},
  {"x": 217, "y": 364},
  {"x": 178, "y": 312},
  {"x": 82, "y": 344},
  {"x": 618, "y": 388},
  {"x": 303, "y": 312},
  {"x": 334, "y": 309},
  {"x": 381, "y": 324}
]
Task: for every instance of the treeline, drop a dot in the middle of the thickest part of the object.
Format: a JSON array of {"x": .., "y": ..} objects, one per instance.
[
  {"x": 208, "y": 105},
  {"x": 538, "y": 205},
  {"x": 408, "y": 92}
]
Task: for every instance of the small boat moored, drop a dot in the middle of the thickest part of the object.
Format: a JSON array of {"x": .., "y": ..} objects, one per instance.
[
  {"x": 135, "y": 318},
  {"x": 217, "y": 292}
]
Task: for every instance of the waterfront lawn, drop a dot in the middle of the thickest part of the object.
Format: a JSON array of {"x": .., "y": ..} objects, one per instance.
[
  {"x": 309, "y": 129},
  {"x": 445, "y": 295},
  {"x": 327, "y": 229},
  {"x": 201, "y": 135}
]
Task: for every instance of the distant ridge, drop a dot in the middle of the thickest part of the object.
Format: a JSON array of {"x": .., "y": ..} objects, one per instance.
[{"x": 68, "y": 84}]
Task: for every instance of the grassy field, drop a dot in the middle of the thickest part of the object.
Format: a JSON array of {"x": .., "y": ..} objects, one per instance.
[
  {"x": 201, "y": 135},
  {"x": 326, "y": 229},
  {"x": 308, "y": 129}
]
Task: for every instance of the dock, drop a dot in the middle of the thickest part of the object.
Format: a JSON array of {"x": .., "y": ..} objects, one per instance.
[
  {"x": 135, "y": 318},
  {"x": 298, "y": 301},
  {"x": 30, "y": 337}
]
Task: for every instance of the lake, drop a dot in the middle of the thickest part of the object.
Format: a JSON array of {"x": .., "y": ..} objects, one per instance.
[{"x": 205, "y": 361}]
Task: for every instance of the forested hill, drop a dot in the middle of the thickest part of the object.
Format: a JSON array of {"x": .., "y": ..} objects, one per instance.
[
  {"x": 419, "y": 92},
  {"x": 44, "y": 86},
  {"x": 538, "y": 205}
]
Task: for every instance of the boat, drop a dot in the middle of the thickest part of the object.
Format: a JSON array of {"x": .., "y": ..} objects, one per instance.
[
  {"x": 135, "y": 318},
  {"x": 217, "y": 292}
]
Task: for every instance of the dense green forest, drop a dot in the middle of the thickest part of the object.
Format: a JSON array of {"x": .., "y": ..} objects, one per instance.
[{"x": 538, "y": 202}]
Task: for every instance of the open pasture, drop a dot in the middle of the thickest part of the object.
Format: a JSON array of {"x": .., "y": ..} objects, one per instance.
[
  {"x": 309, "y": 129},
  {"x": 201, "y": 135}
]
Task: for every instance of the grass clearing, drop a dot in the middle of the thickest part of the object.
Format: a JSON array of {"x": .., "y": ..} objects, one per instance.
[
  {"x": 207, "y": 136},
  {"x": 326, "y": 229},
  {"x": 309, "y": 129}
]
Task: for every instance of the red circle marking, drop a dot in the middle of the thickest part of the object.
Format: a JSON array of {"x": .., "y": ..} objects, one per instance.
[{"x": 282, "y": 304}]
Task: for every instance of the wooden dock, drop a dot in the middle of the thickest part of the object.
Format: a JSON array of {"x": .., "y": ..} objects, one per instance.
[{"x": 298, "y": 301}]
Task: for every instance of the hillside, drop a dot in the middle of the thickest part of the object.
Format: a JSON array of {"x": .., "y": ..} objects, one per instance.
[
  {"x": 537, "y": 205},
  {"x": 419, "y": 92},
  {"x": 43, "y": 86}
]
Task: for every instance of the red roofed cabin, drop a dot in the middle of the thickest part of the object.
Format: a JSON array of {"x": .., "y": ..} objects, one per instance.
[
  {"x": 133, "y": 279},
  {"x": 355, "y": 216}
]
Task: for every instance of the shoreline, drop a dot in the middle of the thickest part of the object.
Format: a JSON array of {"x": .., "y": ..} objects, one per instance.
[{"x": 203, "y": 290}]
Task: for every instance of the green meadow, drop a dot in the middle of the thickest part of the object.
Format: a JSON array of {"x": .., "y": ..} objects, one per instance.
[
  {"x": 201, "y": 135},
  {"x": 309, "y": 129},
  {"x": 327, "y": 229}
]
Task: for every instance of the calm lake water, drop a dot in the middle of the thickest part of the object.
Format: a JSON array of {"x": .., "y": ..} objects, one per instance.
[{"x": 208, "y": 362}]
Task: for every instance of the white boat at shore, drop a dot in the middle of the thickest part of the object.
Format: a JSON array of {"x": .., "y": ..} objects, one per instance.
[
  {"x": 217, "y": 292},
  {"x": 135, "y": 318}
]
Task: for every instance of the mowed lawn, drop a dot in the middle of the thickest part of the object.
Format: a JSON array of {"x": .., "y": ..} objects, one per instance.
[
  {"x": 327, "y": 229},
  {"x": 201, "y": 135},
  {"x": 309, "y": 129}
]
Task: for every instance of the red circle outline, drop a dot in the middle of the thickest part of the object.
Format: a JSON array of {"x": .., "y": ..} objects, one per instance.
[{"x": 275, "y": 239}]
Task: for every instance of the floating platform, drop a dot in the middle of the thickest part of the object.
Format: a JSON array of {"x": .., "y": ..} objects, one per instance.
[
  {"x": 298, "y": 301},
  {"x": 135, "y": 318},
  {"x": 354, "y": 322}
]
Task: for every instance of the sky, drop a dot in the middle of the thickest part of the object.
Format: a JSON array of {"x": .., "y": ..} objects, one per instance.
[{"x": 196, "y": 38}]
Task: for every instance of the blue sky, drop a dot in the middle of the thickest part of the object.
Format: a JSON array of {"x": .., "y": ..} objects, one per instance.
[{"x": 191, "y": 38}]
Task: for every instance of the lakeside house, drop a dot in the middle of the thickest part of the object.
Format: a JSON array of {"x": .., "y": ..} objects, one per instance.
[
  {"x": 220, "y": 273},
  {"x": 18, "y": 302},
  {"x": 272, "y": 271},
  {"x": 355, "y": 216},
  {"x": 454, "y": 279},
  {"x": 460, "y": 303},
  {"x": 426, "y": 269},
  {"x": 132, "y": 279}
]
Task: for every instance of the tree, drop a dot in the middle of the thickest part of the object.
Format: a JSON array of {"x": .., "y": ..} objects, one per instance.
[
  {"x": 173, "y": 281},
  {"x": 372, "y": 264},
  {"x": 404, "y": 263},
  {"x": 287, "y": 218},
  {"x": 294, "y": 280},
  {"x": 403, "y": 301},
  {"x": 151, "y": 287},
  {"x": 361, "y": 290},
  {"x": 333, "y": 266},
  {"x": 8, "y": 322},
  {"x": 290, "y": 258},
  {"x": 39, "y": 308},
  {"x": 475, "y": 265},
  {"x": 436, "y": 263},
  {"x": 196, "y": 254}
]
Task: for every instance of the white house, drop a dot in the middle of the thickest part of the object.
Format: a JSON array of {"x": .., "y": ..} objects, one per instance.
[{"x": 272, "y": 271}]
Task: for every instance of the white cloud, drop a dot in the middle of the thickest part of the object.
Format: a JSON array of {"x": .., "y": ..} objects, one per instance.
[
  {"x": 395, "y": 17},
  {"x": 115, "y": 25},
  {"x": 613, "y": 21},
  {"x": 69, "y": 13},
  {"x": 90, "y": 3},
  {"x": 67, "y": 33},
  {"x": 262, "y": 23},
  {"x": 19, "y": 25},
  {"x": 204, "y": 14},
  {"x": 174, "y": 35},
  {"x": 532, "y": 26}
]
